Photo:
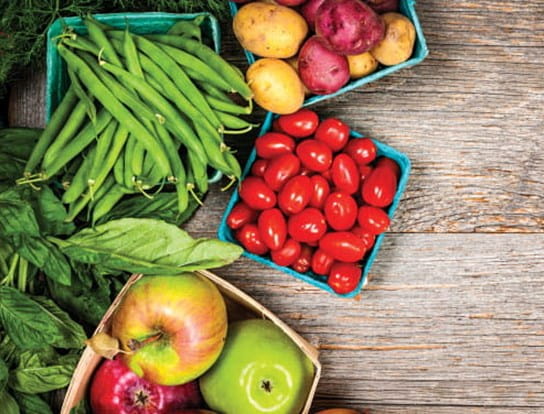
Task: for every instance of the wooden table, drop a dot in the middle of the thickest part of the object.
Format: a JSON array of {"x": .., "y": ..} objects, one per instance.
[{"x": 452, "y": 320}]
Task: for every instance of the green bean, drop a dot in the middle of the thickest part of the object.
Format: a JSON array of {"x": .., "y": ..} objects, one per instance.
[
  {"x": 234, "y": 164},
  {"x": 229, "y": 107},
  {"x": 79, "y": 182},
  {"x": 74, "y": 122},
  {"x": 77, "y": 145},
  {"x": 104, "y": 205},
  {"x": 113, "y": 105},
  {"x": 187, "y": 28},
  {"x": 174, "y": 122},
  {"x": 82, "y": 95},
  {"x": 176, "y": 73},
  {"x": 218, "y": 83},
  {"x": 118, "y": 140},
  {"x": 233, "y": 122},
  {"x": 213, "y": 90},
  {"x": 124, "y": 95},
  {"x": 119, "y": 168},
  {"x": 128, "y": 174},
  {"x": 214, "y": 152},
  {"x": 97, "y": 35},
  {"x": 53, "y": 128},
  {"x": 102, "y": 148},
  {"x": 200, "y": 172},
  {"x": 208, "y": 55}
]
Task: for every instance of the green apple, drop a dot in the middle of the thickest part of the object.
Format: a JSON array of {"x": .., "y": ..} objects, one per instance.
[{"x": 260, "y": 370}]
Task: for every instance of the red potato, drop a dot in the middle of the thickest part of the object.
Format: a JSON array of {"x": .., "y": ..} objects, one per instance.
[
  {"x": 349, "y": 27},
  {"x": 383, "y": 6},
  {"x": 309, "y": 11},
  {"x": 321, "y": 70}
]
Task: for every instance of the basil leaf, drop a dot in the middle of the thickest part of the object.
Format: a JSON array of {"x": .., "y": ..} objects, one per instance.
[
  {"x": 73, "y": 335},
  {"x": 32, "y": 404},
  {"x": 51, "y": 213},
  {"x": 3, "y": 374},
  {"x": 81, "y": 408},
  {"x": 31, "y": 325},
  {"x": 163, "y": 206},
  {"x": 8, "y": 351},
  {"x": 45, "y": 255},
  {"x": 8, "y": 404},
  {"x": 18, "y": 142},
  {"x": 17, "y": 215},
  {"x": 10, "y": 168},
  {"x": 36, "y": 379},
  {"x": 147, "y": 246}
]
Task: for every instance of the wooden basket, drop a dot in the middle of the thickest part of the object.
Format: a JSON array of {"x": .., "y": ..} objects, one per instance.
[{"x": 239, "y": 305}]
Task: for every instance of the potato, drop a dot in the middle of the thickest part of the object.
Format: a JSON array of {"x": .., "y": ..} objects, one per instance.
[
  {"x": 361, "y": 65},
  {"x": 269, "y": 30},
  {"x": 293, "y": 62},
  {"x": 276, "y": 86},
  {"x": 398, "y": 43},
  {"x": 321, "y": 70}
]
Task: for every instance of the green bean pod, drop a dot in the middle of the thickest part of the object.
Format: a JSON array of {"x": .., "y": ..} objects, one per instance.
[
  {"x": 114, "y": 106},
  {"x": 208, "y": 55},
  {"x": 98, "y": 36},
  {"x": 53, "y": 128},
  {"x": 187, "y": 28},
  {"x": 228, "y": 107},
  {"x": 104, "y": 204},
  {"x": 234, "y": 123},
  {"x": 79, "y": 182}
]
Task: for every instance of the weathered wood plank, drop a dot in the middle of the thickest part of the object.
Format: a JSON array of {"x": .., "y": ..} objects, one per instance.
[{"x": 447, "y": 320}]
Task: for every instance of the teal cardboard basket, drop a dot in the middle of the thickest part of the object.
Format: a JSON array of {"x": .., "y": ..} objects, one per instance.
[
  {"x": 57, "y": 80},
  {"x": 320, "y": 281},
  {"x": 407, "y": 8}
]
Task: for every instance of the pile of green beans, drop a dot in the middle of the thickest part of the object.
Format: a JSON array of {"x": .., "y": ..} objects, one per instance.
[{"x": 143, "y": 113}]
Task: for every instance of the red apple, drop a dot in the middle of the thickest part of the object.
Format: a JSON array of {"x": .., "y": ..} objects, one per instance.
[
  {"x": 117, "y": 390},
  {"x": 172, "y": 327}
]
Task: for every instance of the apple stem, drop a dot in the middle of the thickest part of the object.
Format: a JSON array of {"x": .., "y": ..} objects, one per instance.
[{"x": 135, "y": 344}]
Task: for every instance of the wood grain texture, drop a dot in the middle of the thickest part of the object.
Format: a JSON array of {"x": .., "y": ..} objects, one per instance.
[{"x": 453, "y": 318}]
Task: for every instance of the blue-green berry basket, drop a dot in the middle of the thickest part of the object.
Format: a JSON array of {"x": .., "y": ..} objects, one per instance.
[{"x": 226, "y": 234}]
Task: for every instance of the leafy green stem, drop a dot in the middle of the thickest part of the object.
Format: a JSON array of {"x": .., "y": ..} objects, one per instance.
[
  {"x": 10, "y": 277},
  {"x": 22, "y": 276}
]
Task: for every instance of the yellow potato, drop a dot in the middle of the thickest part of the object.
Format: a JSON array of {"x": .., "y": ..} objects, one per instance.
[
  {"x": 398, "y": 43},
  {"x": 293, "y": 61},
  {"x": 269, "y": 30},
  {"x": 361, "y": 65},
  {"x": 276, "y": 86}
]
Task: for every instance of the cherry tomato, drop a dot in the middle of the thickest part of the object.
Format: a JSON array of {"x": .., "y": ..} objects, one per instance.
[
  {"x": 389, "y": 163},
  {"x": 380, "y": 186},
  {"x": 362, "y": 150},
  {"x": 276, "y": 127},
  {"x": 327, "y": 175},
  {"x": 314, "y": 155},
  {"x": 300, "y": 124},
  {"x": 344, "y": 277},
  {"x": 250, "y": 238},
  {"x": 272, "y": 228},
  {"x": 320, "y": 191},
  {"x": 295, "y": 194},
  {"x": 373, "y": 219},
  {"x": 280, "y": 169},
  {"x": 367, "y": 237},
  {"x": 273, "y": 144},
  {"x": 304, "y": 260},
  {"x": 340, "y": 211},
  {"x": 241, "y": 214},
  {"x": 345, "y": 174},
  {"x": 343, "y": 246},
  {"x": 259, "y": 167},
  {"x": 307, "y": 226},
  {"x": 256, "y": 194},
  {"x": 305, "y": 171},
  {"x": 333, "y": 132},
  {"x": 321, "y": 262},
  {"x": 287, "y": 254},
  {"x": 364, "y": 171}
]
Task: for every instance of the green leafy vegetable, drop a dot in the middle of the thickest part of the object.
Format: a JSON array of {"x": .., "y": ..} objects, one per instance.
[
  {"x": 16, "y": 215},
  {"x": 31, "y": 325},
  {"x": 8, "y": 404},
  {"x": 147, "y": 246},
  {"x": 50, "y": 213},
  {"x": 32, "y": 403},
  {"x": 3, "y": 374}
]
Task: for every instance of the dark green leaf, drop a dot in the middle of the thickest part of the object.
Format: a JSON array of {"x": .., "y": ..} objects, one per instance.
[
  {"x": 18, "y": 142},
  {"x": 36, "y": 379},
  {"x": 10, "y": 168},
  {"x": 163, "y": 206},
  {"x": 3, "y": 374},
  {"x": 81, "y": 408},
  {"x": 88, "y": 308},
  {"x": 29, "y": 324},
  {"x": 45, "y": 255},
  {"x": 73, "y": 335},
  {"x": 8, "y": 403},
  {"x": 147, "y": 246},
  {"x": 17, "y": 215},
  {"x": 32, "y": 404},
  {"x": 51, "y": 213},
  {"x": 8, "y": 351}
]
